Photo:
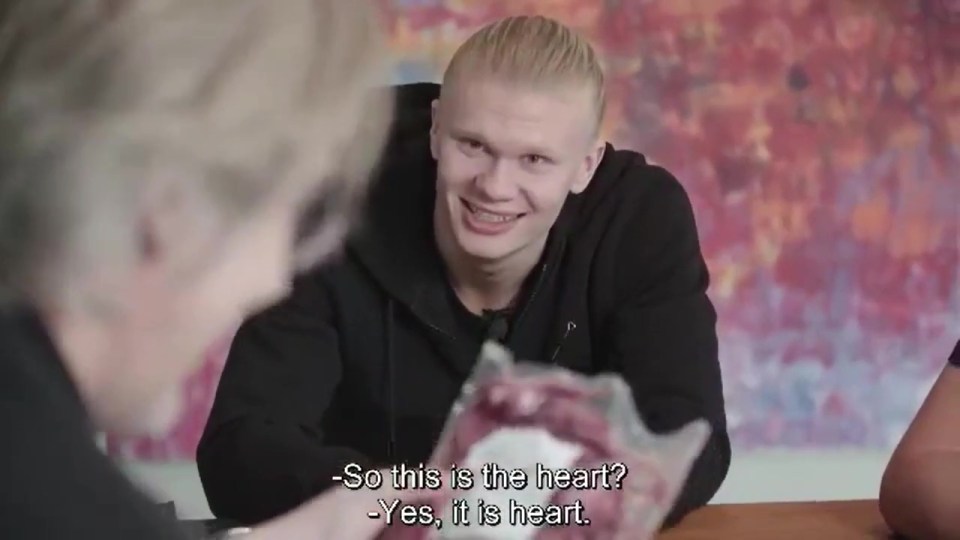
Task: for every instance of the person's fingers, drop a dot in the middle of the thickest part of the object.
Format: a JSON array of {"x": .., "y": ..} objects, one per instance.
[
  {"x": 352, "y": 509},
  {"x": 434, "y": 496},
  {"x": 339, "y": 513}
]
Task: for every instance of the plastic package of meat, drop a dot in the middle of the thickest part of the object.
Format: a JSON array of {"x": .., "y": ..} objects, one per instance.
[{"x": 593, "y": 469}]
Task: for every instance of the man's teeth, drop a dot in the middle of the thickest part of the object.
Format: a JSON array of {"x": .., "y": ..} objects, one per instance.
[
  {"x": 491, "y": 218},
  {"x": 494, "y": 218}
]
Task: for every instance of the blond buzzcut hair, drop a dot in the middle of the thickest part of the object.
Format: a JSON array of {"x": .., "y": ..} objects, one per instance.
[
  {"x": 234, "y": 99},
  {"x": 531, "y": 50}
]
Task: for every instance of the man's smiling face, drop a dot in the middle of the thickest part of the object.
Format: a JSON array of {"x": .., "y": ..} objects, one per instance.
[{"x": 508, "y": 156}]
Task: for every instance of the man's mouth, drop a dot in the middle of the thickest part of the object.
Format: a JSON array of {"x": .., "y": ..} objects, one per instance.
[{"x": 489, "y": 216}]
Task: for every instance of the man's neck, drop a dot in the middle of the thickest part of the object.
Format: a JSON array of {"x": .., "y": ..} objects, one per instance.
[
  {"x": 488, "y": 285},
  {"x": 80, "y": 344}
]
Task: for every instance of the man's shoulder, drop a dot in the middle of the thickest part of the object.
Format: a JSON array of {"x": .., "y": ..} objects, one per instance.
[
  {"x": 638, "y": 235},
  {"x": 406, "y": 168},
  {"x": 629, "y": 191},
  {"x": 53, "y": 473},
  {"x": 955, "y": 355},
  {"x": 412, "y": 108},
  {"x": 31, "y": 373},
  {"x": 409, "y": 134},
  {"x": 62, "y": 486}
]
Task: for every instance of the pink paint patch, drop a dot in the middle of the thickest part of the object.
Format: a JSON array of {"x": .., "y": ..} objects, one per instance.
[{"x": 181, "y": 442}]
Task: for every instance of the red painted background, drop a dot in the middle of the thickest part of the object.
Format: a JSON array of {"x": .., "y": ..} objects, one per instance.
[{"x": 820, "y": 143}]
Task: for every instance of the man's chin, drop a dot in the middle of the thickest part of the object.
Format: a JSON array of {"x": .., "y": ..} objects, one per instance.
[
  {"x": 484, "y": 253},
  {"x": 165, "y": 415},
  {"x": 155, "y": 421},
  {"x": 482, "y": 248}
]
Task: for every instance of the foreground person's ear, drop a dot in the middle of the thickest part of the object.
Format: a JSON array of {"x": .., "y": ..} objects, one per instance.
[{"x": 176, "y": 224}]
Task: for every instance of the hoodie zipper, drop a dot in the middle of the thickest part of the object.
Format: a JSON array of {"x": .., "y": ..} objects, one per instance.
[
  {"x": 544, "y": 269},
  {"x": 571, "y": 326},
  {"x": 440, "y": 331},
  {"x": 533, "y": 295}
]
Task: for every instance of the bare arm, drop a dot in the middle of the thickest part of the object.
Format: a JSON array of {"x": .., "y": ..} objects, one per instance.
[
  {"x": 920, "y": 491},
  {"x": 336, "y": 514},
  {"x": 341, "y": 514}
]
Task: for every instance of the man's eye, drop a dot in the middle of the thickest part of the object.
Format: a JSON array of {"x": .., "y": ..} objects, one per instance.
[
  {"x": 472, "y": 146},
  {"x": 534, "y": 159}
]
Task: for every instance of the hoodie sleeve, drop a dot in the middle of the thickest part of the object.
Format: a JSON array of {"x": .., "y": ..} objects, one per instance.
[
  {"x": 662, "y": 336},
  {"x": 262, "y": 452}
]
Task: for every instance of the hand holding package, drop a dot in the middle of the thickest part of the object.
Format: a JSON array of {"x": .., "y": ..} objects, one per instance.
[{"x": 593, "y": 470}]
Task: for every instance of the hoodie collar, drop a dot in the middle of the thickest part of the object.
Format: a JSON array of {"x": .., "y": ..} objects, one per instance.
[{"x": 30, "y": 349}]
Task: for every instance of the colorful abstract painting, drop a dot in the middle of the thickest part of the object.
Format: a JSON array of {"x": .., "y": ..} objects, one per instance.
[{"x": 820, "y": 143}]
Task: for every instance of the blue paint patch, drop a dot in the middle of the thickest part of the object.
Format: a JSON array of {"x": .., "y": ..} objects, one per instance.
[{"x": 412, "y": 71}]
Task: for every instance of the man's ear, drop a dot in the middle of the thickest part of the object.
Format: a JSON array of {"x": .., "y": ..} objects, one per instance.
[
  {"x": 434, "y": 122},
  {"x": 589, "y": 167},
  {"x": 175, "y": 224}
]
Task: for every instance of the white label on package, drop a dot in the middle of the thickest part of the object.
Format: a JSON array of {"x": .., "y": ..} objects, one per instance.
[{"x": 509, "y": 448}]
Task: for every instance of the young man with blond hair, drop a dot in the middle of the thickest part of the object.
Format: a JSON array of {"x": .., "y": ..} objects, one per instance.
[{"x": 500, "y": 214}]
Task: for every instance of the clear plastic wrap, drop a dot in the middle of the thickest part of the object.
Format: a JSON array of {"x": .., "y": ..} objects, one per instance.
[{"x": 556, "y": 426}]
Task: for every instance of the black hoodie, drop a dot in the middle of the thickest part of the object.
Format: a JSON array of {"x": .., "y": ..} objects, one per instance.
[
  {"x": 364, "y": 359},
  {"x": 55, "y": 483}
]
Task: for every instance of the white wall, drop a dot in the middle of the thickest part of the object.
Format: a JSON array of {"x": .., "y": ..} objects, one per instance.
[{"x": 787, "y": 475}]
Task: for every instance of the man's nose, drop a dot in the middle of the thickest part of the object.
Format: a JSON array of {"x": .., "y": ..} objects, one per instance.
[{"x": 497, "y": 182}]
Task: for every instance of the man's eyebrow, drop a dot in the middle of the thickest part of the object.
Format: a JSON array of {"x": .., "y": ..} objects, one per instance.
[
  {"x": 461, "y": 133},
  {"x": 537, "y": 150},
  {"x": 540, "y": 151}
]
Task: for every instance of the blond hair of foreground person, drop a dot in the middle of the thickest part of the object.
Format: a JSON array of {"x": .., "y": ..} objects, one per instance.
[{"x": 158, "y": 159}]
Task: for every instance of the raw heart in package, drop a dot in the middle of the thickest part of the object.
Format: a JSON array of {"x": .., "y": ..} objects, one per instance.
[{"x": 591, "y": 470}]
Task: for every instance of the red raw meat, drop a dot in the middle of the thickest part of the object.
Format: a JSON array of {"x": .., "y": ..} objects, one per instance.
[{"x": 562, "y": 405}]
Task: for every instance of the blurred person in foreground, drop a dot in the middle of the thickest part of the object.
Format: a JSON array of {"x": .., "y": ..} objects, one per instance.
[
  {"x": 500, "y": 213},
  {"x": 157, "y": 156},
  {"x": 920, "y": 491}
]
